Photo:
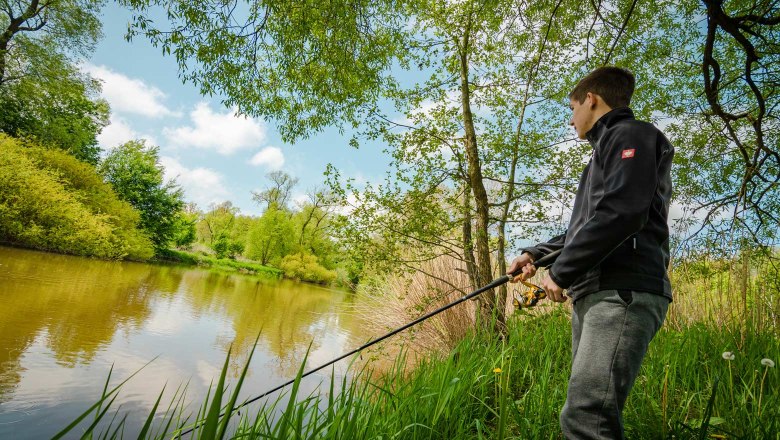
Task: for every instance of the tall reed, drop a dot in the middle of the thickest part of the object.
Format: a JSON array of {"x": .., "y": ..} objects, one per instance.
[
  {"x": 742, "y": 291},
  {"x": 400, "y": 298}
]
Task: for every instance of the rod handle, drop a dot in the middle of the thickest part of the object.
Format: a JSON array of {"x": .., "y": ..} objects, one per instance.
[{"x": 545, "y": 261}]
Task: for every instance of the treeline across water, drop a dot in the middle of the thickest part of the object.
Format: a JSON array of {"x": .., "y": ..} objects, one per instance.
[
  {"x": 121, "y": 207},
  {"x": 294, "y": 236}
]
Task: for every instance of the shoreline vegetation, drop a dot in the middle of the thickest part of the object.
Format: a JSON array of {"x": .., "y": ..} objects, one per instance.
[
  {"x": 709, "y": 373},
  {"x": 184, "y": 258},
  {"x": 486, "y": 388},
  {"x": 122, "y": 209}
]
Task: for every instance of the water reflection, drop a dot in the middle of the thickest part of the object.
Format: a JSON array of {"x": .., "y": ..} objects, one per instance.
[
  {"x": 288, "y": 316},
  {"x": 65, "y": 321},
  {"x": 70, "y": 301}
]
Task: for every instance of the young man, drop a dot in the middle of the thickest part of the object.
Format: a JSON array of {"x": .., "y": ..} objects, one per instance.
[{"x": 614, "y": 253}]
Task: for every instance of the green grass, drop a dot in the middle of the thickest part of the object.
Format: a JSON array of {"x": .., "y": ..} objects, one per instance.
[
  {"x": 223, "y": 264},
  {"x": 463, "y": 396}
]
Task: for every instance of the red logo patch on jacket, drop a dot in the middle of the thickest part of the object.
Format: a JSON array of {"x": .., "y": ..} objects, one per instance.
[{"x": 628, "y": 154}]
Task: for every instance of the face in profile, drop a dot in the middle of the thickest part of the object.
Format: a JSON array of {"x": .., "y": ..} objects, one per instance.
[{"x": 582, "y": 115}]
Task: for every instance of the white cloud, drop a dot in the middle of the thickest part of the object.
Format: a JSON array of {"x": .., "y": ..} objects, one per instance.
[
  {"x": 129, "y": 95},
  {"x": 115, "y": 133},
  {"x": 201, "y": 185},
  {"x": 118, "y": 131},
  {"x": 269, "y": 157},
  {"x": 223, "y": 132},
  {"x": 351, "y": 204},
  {"x": 207, "y": 373},
  {"x": 677, "y": 211},
  {"x": 299, "y": 198}
]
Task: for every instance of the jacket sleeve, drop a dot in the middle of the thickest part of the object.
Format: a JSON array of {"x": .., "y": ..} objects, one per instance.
[
  {"x": 628, "y": 163},
  {"x": 542, "y": 249}
]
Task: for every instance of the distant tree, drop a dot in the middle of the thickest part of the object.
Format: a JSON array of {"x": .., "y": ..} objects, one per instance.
[
  {"x": 224, "y": 230},
  {"x": 184, "y": 229},
  {"x": 271, "y": 238},
  {"x": 239, "y": 233},
  {"x": 217, "y": 222},
  {"x": 134, "y": 170},
  {"x": 277, "y": 193},
  {"x": 42, "y": 93},
  {"x": 313, "y": 223}
]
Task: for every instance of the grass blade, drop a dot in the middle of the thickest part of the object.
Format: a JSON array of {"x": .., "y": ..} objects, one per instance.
[
  {"x": 88, "y": 432},
  {"x": 708, "y": 411},
  {"x": 231, "y": 404},
  {"x": 209, "y": 428},
  {"x": 98, "y": 404},
  {"x": 148, "y": 423}
]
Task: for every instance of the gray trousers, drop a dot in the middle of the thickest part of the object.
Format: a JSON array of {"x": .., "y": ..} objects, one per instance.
[{"x": 610, "y": 333}]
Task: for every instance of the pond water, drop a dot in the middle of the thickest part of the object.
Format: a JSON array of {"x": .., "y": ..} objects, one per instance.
[{"x": 64, "y": 321}]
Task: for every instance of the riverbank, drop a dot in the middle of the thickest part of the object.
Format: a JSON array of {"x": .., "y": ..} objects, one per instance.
[
  {"x": 223, "y": 264},
  {"x": 486, "y": 388}
]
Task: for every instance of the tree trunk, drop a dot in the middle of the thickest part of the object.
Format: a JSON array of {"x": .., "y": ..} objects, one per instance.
[
  {"x": 744, "y": 288},
  {"x": 468, "y": 242},
  {"x": 510, "y": 192},
  {"x": 14, "y": 26},
  {"x": 491, "y": 317}
]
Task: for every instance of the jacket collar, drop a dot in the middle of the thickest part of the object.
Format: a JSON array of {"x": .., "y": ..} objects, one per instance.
[{"x": 607, "y": 121}]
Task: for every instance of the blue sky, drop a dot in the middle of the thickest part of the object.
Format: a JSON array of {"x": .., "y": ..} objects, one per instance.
[{"x": 214, "y": 155}]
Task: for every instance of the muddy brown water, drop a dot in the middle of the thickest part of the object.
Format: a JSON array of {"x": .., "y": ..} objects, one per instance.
[{"x": 64, "y": 321}]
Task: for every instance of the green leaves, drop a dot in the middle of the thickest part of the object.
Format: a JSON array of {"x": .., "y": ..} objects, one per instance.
[
  {"x": 42, "y": 93},
  {"x": 49, "y": 200},
  {"x": 307, "y": 64},
  {"x": 133, "y": 170}
]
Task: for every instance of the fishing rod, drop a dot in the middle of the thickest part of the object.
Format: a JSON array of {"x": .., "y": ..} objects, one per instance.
[{"x": 528, "y": 299}]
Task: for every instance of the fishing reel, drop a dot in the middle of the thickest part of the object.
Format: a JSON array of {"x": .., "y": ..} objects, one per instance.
[{"x": 529, "y": 298}]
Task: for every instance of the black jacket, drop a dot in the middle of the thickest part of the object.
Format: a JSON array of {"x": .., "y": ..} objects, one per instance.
[{"x": 618, "y": 236}]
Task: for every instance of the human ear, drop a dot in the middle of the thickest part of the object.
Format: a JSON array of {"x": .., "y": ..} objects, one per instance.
[{"x": 592, "y": 100}]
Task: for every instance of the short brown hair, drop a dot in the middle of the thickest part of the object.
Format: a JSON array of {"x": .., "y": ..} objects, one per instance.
[{"x": 614, "y": 85}]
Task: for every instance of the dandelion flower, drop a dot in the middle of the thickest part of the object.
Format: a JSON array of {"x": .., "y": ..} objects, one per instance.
[
  {"x": 496, "y": 370},
  {"x": 729, "y": 356},
  {"x": 768, "y": 363}
]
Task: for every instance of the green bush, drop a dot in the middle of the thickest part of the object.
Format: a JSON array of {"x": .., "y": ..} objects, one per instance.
[
  {"x": 305, "y": 267},
  {"x": 235, "y": 248},
  {"x": 51, "y": 201},
  {"x": 83, "y": 180},
  {"x": 185, "y": 233},
  {"x": 220, "y": 246},
  {"x": 134, "y": 172}
]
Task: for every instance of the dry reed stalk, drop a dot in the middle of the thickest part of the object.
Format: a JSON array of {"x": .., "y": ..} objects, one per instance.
[
  {"x": 402, "y": 298},
  {"x": 719, "y": 299},
  {"x": 399, "y": 299}
]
